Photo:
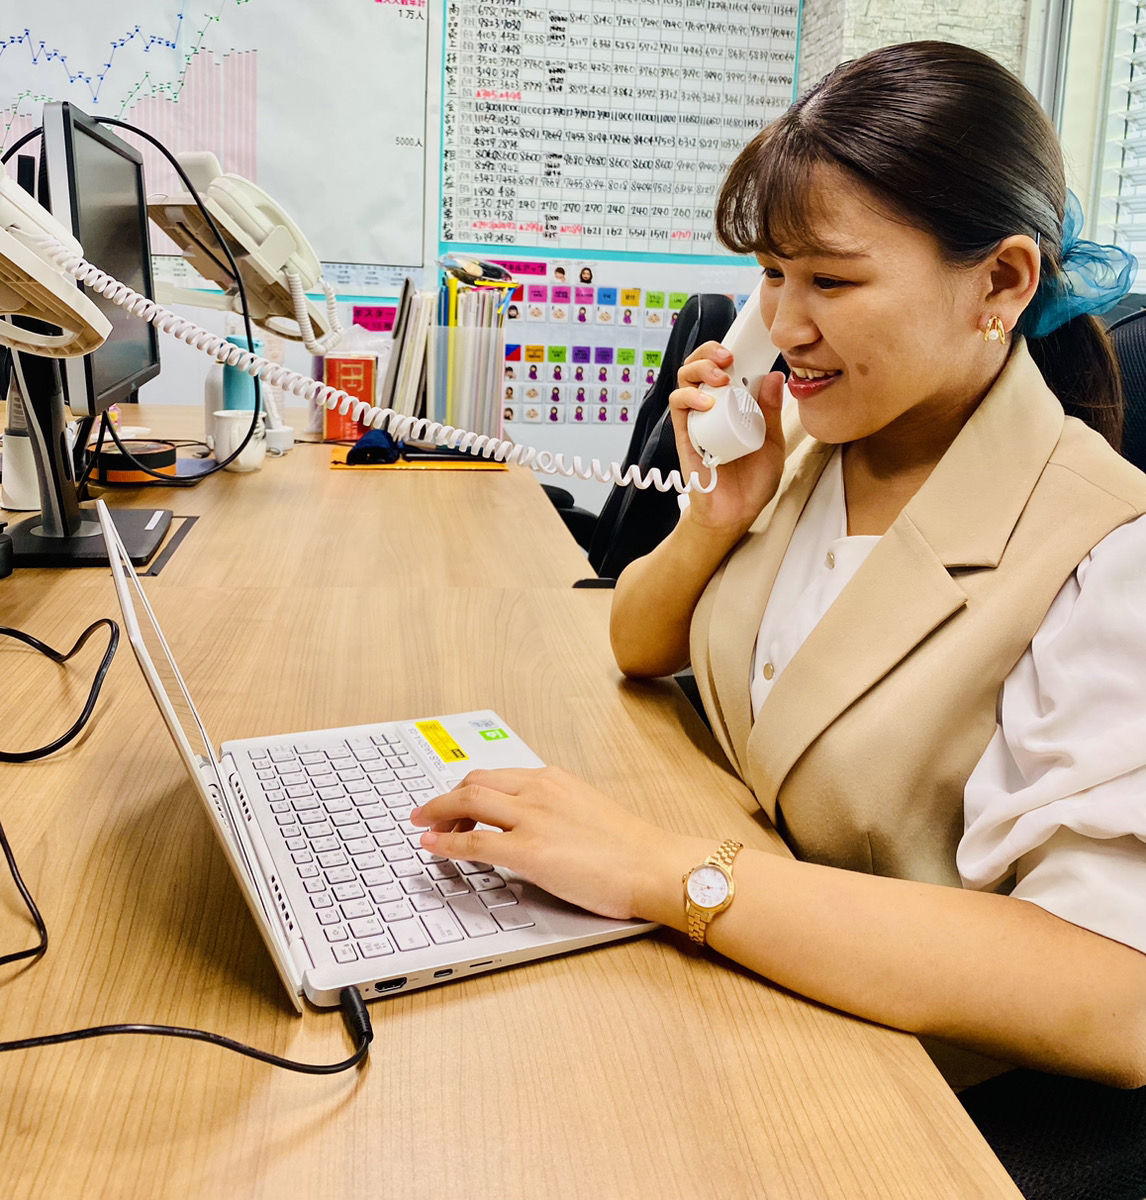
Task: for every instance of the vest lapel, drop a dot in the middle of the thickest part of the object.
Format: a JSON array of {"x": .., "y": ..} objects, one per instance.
[
  {"x": 744, "y": 589},
  {"x": 963, "y": 517}
]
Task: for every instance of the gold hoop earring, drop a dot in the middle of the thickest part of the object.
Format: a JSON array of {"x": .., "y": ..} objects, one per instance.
[{"x": 995, "y": 331}]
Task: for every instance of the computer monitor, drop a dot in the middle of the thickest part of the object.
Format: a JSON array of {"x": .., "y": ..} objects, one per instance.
[
  {"x": 95, "y": 188},
  {"x": 92, "y": 182}
]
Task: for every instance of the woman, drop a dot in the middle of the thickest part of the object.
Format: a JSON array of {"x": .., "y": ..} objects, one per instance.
[{"x": 917, "y": 616}]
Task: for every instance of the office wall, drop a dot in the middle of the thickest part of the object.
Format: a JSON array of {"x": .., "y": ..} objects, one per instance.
[{"x": 835, "y": 30}]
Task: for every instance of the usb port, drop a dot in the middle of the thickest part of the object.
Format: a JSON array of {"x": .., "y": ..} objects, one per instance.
[
  {"x": 389, "y": 985},
  {"x": 443, "y": 974}
]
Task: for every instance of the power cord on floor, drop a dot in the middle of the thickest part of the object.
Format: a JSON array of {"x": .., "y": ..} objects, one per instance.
[{"x": 350, "y": 1000}]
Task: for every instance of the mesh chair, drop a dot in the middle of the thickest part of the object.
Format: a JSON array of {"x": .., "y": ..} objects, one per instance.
[
  {"x": 1061, "y": 1138},
  {"x": 1129, "y": 338},
  {"x": 632, "y": 522}
]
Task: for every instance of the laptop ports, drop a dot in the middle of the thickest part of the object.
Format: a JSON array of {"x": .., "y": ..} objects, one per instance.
[{"x": 390, "y": 985}]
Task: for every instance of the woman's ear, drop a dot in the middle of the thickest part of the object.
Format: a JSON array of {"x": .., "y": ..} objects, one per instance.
[{"x": 1012, "y": 278}]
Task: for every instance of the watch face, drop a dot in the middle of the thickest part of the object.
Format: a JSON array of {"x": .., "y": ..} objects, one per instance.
[{"x": 707, "y": 887}]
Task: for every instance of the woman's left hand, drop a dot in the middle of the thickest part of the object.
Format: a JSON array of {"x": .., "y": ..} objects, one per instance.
[{"x": 561, "y": 834}]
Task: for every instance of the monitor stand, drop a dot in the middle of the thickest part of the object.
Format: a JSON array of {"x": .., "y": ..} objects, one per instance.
[
  {"x": 63, "y": 534},
  {"x": 141, "y": 529}
]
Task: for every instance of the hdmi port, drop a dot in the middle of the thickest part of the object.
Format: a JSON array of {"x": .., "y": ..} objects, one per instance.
[{"x": 389, "y": 985}]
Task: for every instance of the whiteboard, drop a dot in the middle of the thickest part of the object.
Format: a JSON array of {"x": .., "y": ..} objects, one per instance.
[{"x": 323, "y": 105}]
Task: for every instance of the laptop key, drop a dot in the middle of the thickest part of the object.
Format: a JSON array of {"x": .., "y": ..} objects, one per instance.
[
  {"x": 442, "y": 927},
  {"x": 397, "y": 910},
  {"x": 369, "y": 860},
  {"x": 302, "y": 856},
  {"x": 499, "y": 898},
  {"x": 444, "y": 870},
  {"x": 472, "y": 868},
  {"x": 453, "y": 887},
  {"x": 386, "y": 893},
  {"x": 376, "y": 876},
  {"x": 374, "y": 947},
  {"x": 335, "y": 933},
  {"x": 395, "y": 854},
  {"x": 470, "y": 911},
  {"x": 296, "y": 843},
  {"x": 358, "y": 908},
  {"x": 403, "y": 870},
  {"x": 341, "y": 875},
  {"x": 348, "y": 891},
  {"x": 486, "y": 883},
  {"x": 325, "y": 843},
  {"x": 425, "y": 901},
  {"x": 344, "y": 952},
  {"x": 408, "y": 935},
  {"x": 332, "y": 858},
  {"x": 329, "y": 916},
  {"x": 417, "y": 883},
  {"x": 319, "y": 899},
  {"x": 515, "y": 917}
]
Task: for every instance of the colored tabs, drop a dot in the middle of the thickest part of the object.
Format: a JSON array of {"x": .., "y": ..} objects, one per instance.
[
  {"x": 535, "y": 354},
  {"x": 558, "y": 354},
  {"x": 581, "y": 354},
  {"x": 651, "y": 358},
  {"x": 518, "y": 293},
  {"x": 608, "y": 296},
  {"x": 677, "y": 300},
  {"x": 583, "y": 295},
  {"x": 603, "y": 354},
  {"x": 631, "y": 297},
  {"x": 654, "y": 299},
  {"x": 626, "y": 357},
  {"x": 512, "y": 353},
  {"x": 516, "y": 267},
  {"x": 561, "y": 295},
  {"x": 538, "y": 293},
  {"x": 378, "y": 318}
]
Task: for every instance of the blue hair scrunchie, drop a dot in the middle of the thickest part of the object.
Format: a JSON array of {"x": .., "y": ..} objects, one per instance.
[{"x": 1093, "y": 279}]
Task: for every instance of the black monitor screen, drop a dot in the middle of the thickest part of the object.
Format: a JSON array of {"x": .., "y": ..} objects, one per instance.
[{"x": 103, "y": 188}]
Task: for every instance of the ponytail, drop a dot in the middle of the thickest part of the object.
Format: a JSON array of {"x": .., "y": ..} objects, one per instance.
[{"x": 1078, "y": 363}]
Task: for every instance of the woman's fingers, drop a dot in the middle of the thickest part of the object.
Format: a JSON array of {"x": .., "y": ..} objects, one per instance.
[{"x": 467, "y": 802}]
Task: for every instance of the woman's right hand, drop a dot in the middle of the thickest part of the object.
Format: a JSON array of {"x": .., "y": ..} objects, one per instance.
[{"x": 746, "y": 485}]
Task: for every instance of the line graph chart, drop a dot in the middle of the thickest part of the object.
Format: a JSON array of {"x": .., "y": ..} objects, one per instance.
[{"x": 196, "y": 76}]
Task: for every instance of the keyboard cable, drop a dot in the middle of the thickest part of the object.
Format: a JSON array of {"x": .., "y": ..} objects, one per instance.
[{"x": 350, "y": 999}]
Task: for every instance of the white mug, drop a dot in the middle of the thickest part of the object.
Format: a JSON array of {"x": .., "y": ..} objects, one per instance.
[{"x": 231, "y": 425}]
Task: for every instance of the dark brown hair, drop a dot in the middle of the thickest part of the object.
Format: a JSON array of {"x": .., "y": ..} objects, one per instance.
[{"x": 950, "y": 141}]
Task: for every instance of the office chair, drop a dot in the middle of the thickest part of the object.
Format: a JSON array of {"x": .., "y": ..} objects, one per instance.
[
  {"x": 1062, "y": 1138},
  {"x": 1129, "y": 338},
  {"x": 632, "y": 522}
]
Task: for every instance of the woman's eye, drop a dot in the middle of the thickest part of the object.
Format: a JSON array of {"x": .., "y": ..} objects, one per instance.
[
  {"x": 773, "y": 273},
  {"x": 826, "y": 284}
]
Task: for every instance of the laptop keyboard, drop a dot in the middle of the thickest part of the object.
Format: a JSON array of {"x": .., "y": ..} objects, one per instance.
[{"x": 343, "y": 814}]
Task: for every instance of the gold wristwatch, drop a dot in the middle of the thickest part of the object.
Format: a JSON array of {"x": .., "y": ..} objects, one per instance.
[{"x": 708, "y": 889}]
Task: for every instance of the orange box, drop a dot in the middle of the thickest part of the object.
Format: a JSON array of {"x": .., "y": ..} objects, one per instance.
[{"x": 357, "y": 375}]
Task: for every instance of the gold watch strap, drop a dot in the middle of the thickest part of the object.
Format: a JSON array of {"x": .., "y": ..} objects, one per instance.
[{"x": 698, "y": 920}]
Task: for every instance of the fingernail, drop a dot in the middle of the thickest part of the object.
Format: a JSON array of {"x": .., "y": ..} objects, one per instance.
[
  {"x": 429, "y": 840},
  {"x": 415, "y": 813}
]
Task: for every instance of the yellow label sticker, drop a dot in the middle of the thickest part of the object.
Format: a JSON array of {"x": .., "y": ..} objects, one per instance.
[{"x": 438, "y": 736}]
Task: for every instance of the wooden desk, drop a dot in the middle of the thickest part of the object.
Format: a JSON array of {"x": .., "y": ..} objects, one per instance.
[{"x": 306, "y": 598}]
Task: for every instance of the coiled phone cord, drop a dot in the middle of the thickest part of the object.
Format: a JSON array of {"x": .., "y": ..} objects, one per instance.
[{"x": 398, "y": 426}]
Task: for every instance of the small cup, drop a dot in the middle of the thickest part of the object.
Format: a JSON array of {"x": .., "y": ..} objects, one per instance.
[{"x": 231, "y": 425}]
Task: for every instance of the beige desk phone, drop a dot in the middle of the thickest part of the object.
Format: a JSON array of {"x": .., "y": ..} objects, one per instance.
[
  {"x": 32, "y": 286},
  {"x": 734, "y": 425}
]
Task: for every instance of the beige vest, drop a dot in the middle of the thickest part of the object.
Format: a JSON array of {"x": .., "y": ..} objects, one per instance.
[{"x": 861, "y": 751}]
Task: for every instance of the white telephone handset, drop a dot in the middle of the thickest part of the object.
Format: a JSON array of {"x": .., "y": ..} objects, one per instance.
[
  {"x": 33, "y": 286},
  {"x": 734, "y": 425}
]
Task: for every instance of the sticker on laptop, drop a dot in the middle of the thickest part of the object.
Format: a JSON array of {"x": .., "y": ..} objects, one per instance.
[
  {"x": 442, "y": 742},
  {"x": 490, "y": 731}
]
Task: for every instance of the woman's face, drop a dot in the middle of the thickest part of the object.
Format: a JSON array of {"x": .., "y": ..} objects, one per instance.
[{"x": 880, "y": 332}]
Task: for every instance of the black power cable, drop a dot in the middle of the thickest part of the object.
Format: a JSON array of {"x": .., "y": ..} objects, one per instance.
[{"x": 350, "y": 1000}]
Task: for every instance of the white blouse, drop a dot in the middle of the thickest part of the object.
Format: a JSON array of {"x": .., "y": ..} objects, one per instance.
[{"x": 1058, "y": 801}]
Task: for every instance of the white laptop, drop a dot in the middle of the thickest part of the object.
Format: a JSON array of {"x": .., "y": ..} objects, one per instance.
[{"x": 316, "y": 829}]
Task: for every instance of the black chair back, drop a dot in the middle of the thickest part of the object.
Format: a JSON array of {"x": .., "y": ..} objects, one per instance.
[
  {"x": 1129, "y": 338},
  {"x": 632, "y": 522}
]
